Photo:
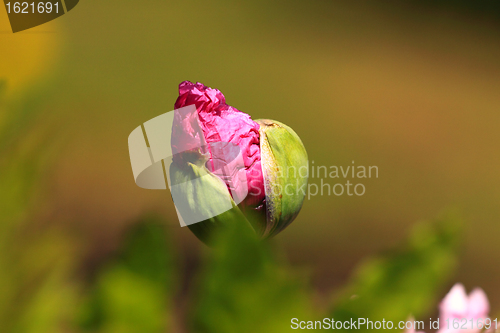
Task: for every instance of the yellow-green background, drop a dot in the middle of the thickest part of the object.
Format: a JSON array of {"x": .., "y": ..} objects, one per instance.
[{"x": 411, "y": 88}]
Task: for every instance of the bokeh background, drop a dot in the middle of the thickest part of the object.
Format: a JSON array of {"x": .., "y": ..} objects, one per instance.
[{"x": 411, "y": 87}]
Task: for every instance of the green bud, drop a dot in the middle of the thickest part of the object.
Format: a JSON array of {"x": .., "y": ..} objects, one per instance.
[{"x": 199, "y": 193}]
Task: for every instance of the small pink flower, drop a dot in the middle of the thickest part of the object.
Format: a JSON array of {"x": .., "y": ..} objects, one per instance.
[{"x": 458, "y": 306}]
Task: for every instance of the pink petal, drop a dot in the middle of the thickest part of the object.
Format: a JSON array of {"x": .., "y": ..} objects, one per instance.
[
  {"x": 223, "y": 123},
  {"x": 479, "y": 307},
  {"x": 455, "y": 303}
]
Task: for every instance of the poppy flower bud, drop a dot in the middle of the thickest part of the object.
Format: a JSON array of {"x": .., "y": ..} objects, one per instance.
[{"x": 233, "y": 169}]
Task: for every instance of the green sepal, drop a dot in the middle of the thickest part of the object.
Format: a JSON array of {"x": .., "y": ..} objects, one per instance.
[
  {"x": 285, "y": 168},
  {"x": 203, "y": 194}
]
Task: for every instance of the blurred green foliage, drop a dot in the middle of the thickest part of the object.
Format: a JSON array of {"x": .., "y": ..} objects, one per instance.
[
  {"x": 406, "y": 280},
  {"x": 133, "y": 291},
  {"x": 23, "y": 153},
  {"x": 245, "y": 288},
  {"x": 242, "y": 286},
  {"x": 36, "y": 294}
]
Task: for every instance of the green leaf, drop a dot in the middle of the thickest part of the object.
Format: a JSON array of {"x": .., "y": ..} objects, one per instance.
[
  {"x": 244, "y": 288},
  {"x": 132, "y": 292},
  {"x": 404, "y": 281}
]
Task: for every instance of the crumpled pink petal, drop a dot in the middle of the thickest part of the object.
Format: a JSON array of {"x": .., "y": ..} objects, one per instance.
[
  {"x": 187, "y": 136},
  {"x": 223, "y": 123}
]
